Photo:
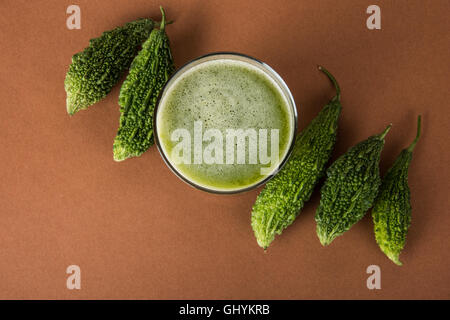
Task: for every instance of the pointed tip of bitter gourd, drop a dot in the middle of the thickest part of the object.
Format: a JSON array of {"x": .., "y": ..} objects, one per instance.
[
  {"x": 119, "y": 151},
  {"x": 70, "y": 111},
  {"x": 394, "y": 257},
  {"x": 263, "y": 242},
  {"x": 324, "y": 241},
  {"x": 71, "y": 105},
  {"x": 419, "y": 127},
  {"x": 333, "y": 80},
  {"x": 324, "y": 238}
]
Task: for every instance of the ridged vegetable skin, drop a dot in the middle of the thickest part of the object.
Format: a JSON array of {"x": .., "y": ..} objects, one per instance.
[
  {"x": 392, "y": 209},
  {"x": 149, "y": 72},
  {"x": 95, "y": 70},
  {"x": 281, "y": 200},
  {"x": 350, "y": 188}
]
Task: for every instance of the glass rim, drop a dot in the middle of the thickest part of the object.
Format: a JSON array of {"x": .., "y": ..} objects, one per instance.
[{"x": 266, "y": 69}]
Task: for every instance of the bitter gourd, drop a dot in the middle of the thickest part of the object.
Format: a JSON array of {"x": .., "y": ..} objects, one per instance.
[
  {"x": 95, "y": 70},
  {"x": 149, "y": 72},
  {"x": 281, "y": 200},
  {"x": 392, "y": 209},
  {"x": 350, "y": 188}
]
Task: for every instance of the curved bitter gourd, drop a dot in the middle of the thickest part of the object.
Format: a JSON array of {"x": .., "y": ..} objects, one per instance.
[
  {"x": 392, "y": 209},
  {"x": 350, "y": 188},
  {"x": 95, "y": 70},
  {"x": 282, "y": 198},
  {"x": 149, "y": 72}
]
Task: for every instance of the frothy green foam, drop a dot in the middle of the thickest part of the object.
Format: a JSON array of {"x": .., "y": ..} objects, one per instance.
[{"x": 223, "y": 94}]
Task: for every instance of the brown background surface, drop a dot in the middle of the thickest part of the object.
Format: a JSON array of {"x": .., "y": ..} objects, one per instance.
[{"x": 137, "y": 231}]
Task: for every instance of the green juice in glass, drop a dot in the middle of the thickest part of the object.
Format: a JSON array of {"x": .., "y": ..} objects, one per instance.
[{"x": 223, "y": 94}]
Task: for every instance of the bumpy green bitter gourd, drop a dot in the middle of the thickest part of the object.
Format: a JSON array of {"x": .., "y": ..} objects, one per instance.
[
  {"x": 279, "y": 203},
  {"x": 392, "y": 209},
  {"x": 350, "y": 188},
  {"x": 149, "y": 72},
  {"x": 95, "y": 70}
]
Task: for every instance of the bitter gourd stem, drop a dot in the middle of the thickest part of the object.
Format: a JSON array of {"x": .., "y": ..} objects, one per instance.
[
  {"x": 163, "y": 20},
  {"x": 385, "y": 132},
  {"x": 336, "y": 85},
  {"x": 419, "y": 126},
  {"x": 158, "y": 23}
]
